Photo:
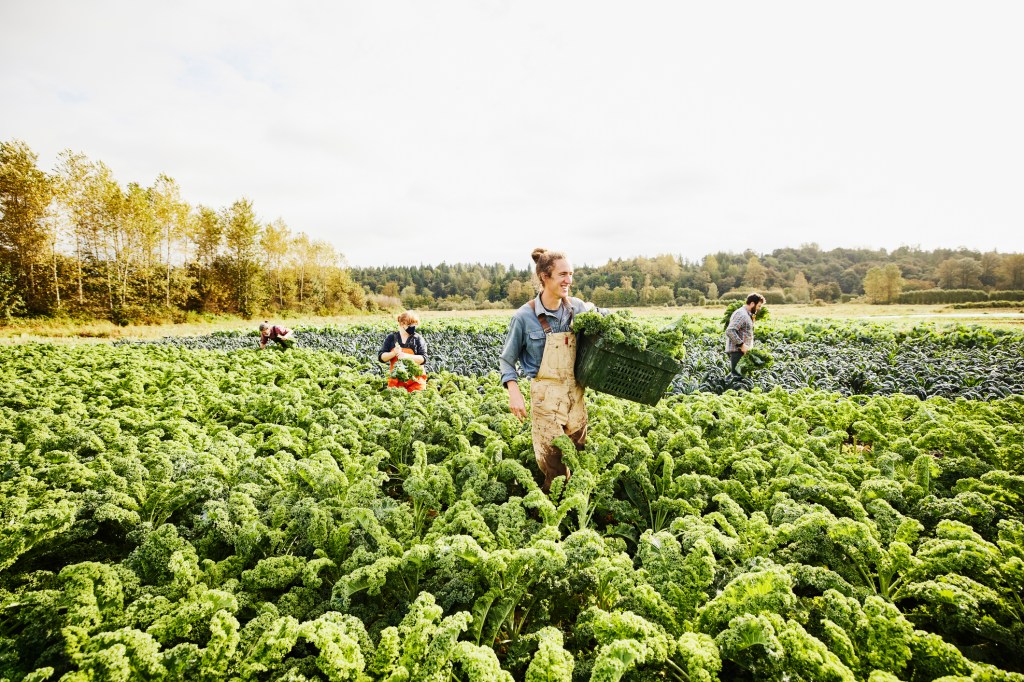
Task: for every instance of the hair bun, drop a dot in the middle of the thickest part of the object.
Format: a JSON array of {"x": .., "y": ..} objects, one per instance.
[{"x": 537, "y": 253}]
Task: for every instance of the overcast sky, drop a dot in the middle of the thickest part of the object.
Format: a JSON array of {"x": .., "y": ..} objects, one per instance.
[{"x": 412, "y": 132}]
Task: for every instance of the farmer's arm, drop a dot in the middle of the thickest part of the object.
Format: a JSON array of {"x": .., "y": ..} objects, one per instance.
[
  {"x": 507, "y": 364},
  {"x": 389, "y": 349}
]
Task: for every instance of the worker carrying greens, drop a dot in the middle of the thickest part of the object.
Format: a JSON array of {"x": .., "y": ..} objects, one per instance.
[
  {"x": 282, "y": 336},
  {"x": 739, "y": 334},
  {"x": 402, "y": 346},
  {"x": 541, "y": 340}
]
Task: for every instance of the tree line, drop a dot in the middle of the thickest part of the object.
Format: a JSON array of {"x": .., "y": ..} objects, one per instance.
[
  {"x": 791, "y": 275},
  {"x": 75, "y": 242}
]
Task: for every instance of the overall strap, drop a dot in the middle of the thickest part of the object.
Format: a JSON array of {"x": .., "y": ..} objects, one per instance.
[
  {"x": 572, "y": 313},
  {"x": 544, "y": 324}
]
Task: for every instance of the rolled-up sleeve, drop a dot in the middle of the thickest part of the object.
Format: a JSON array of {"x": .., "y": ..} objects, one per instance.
[
  {"x": 420, "y": 346},
  {"x": 511, "y": 350}
]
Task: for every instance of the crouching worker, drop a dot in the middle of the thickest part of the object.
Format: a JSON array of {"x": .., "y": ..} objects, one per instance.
[
  {"x": 282, "y": 336},
  {"x": 405, "y": 344},
  {"x": 541, "y": 340}
]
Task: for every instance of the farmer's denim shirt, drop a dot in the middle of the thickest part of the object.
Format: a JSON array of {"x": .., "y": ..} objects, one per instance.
[{"x": 525, "y": 340}]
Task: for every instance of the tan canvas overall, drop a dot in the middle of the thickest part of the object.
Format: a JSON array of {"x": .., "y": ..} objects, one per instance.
[{"x": 556, "y": 402}]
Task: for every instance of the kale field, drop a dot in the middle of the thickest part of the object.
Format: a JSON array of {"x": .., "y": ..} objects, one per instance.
[
  {"x": 196, "y": 509},
  {"x": 852, "y": 359}
]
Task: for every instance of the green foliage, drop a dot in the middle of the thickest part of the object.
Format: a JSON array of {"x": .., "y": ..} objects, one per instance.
[
  {"x": 753, "y": 361},
  {"x": 406, "y": 370},
  {"x": 11, "y": 302},
  {"x": 852, "y": 358},
  {"x": 622, "y": 327},
  {"x": 552, "y": 663},
  {"x": 762, "y": 314},
  {"x": 937, "y": 296},
  {"x": 185, "y": 514}
]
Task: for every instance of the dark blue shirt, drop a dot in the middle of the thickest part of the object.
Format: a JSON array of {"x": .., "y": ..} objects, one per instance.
[{"x": 415, "y": 343}]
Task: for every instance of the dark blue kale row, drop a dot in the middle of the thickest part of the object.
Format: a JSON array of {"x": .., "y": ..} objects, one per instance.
[{"x": 851, "y": 359}]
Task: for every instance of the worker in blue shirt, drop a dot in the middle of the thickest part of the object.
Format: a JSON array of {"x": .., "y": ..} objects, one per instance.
[{"x": 541, "y": 340}]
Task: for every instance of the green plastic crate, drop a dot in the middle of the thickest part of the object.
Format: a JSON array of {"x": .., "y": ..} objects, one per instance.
[{"x": 638, "y": 375}]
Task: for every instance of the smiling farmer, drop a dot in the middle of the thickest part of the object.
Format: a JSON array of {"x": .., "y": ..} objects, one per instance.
[{"x": 541, "y": 340}]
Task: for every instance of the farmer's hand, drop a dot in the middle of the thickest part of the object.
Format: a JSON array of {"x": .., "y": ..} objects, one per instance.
[
  {"x": 515, "y": 401},
  {"x": 744, "y": 349}
]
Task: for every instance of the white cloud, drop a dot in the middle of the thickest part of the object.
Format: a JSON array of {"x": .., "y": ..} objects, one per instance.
[{"x": 466, "y": 131}]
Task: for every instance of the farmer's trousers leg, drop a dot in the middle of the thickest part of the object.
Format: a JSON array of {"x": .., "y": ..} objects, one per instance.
[
  {"x": 734, "y": 357},
  {"x": 557, "y": 409}
]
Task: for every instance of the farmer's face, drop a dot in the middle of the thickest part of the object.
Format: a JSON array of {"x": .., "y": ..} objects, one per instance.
[{"x": 560, "y": 279}]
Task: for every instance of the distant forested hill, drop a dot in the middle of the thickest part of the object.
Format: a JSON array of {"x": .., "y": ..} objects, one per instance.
[{"x": 801, "y": 274}]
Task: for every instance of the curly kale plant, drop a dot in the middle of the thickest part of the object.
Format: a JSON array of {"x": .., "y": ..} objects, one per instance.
[
  {"x": 622, "y": 327},
  {"x": 170, "y": 514},
  {"x": 406, "y": 370},
  {"x": 753, "y": 360},
  {"x": 761, "y": 316}
]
